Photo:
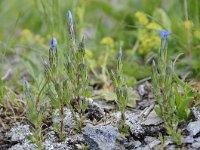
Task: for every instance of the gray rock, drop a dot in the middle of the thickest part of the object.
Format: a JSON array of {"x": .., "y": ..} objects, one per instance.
[
  {"x": 107, "y": 107},
  {"x": 196, "y": 113},
  {"x": 51, "y": 136},
  {"x": 68, "y": 117},
  {"x": 167, "y": 142},
  {"x": 197, "y": 139},
  {"x": 149, "y": 139},
  {"x": 48, "y": 145},
  {"x": 132, "y": 144},
  {"x": 194, "y": 127},
  {"x": 196, "y": 145},
  {"x": 134, "y": 123},
  {"x": 141, "y": 89},
  {"x": 152, "y": 119},
  {"x": 153, "y": 144},
  {"x": 51, "y": 142},
  {"x": 19, "y": 132},
  {"x": 95, "y": 111},
  {"x": 25, "y": 145},
  {"x": 150, "y": 145},
  {"x": 188, "y": 140},
  {"x": 101, "y": 137},
  {"x": 75, "y": 139}
]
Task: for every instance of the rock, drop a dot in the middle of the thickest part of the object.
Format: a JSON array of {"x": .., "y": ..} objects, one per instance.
[
  {"x": 194, "y": 127},
  {"x": 196, "y": 145},
  {"x": 25, "y": 145},
  {"x": 95, "y": 112},
  {"x": 117, "y": 115},
  {"x": 134, "y": 123},
  {"x": 197, "y": 139},
  {"x": 168, "y": 141},
  {"x": 101, "y": 137},
  {"x": 152, "y": 119},
  {"x": 75, "y": 139},
  {"x": 149, "y": 139},
  {"x": 107, "y": 107},
  {"x": 68, "y": 117},
  {"x": 141, "y": 89},
  {"x": 51, "y": 136},
  {"x": 132, "y": 144},
  {"x": 48, "y": 145},
  {"x": 188, "y": 140},
  {"x": 153, "y": 144},
  {"x": 19, "y": 132},
  {"x": 145, "y": 90},
  {"x": 196, "y": 113}
]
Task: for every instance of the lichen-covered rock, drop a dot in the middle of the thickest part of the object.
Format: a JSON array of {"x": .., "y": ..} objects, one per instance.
[
  {"x": 134, "y": 123},
  {"x": 52, "y": 142},
  {"x": 48, "y": 145},
  {"x": 75, "y": 139},
  {"x": 19, "y": 132},
  {"x": 101, "y": 137},
  {"x": 25, "y": 145}
]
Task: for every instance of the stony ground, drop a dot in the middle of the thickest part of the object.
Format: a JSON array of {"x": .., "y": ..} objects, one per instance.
[{"x": 101, "y": 133}]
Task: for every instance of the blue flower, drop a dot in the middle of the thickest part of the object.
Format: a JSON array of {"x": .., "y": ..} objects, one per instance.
[
  {"x": 53, "y": 43},
  {"x": 69, "y": 16},
  {"x": 70, "y": 25},
  {"x": 164, "y": 34}
]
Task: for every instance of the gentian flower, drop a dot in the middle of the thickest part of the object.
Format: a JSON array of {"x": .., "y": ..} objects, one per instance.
[
  {"x": 69, "y": 16},
  {"x": 164, "y": 34},
  {"x": 70, "y": 24},
  {"x": 53, "y": 44}
]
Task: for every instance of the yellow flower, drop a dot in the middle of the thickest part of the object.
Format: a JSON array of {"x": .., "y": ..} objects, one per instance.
[
  {"x": 188, "y": 24},
  {"x": 88, "y": 54},
  {"x": 142, "y": 19},
  {"x": 107, "y": 41},
  {"x": 26, "y": 32},
  {"x": 155, "y": 26},
  {"x": 197, "y": 34},
  {"x": 39, "y": 39},
  {"x": 26, "y": 36}
]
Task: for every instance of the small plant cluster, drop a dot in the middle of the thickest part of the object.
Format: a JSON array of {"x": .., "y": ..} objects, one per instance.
[
  {"x": 121, "y": 91},
  {"x": 173, "y": 106},
  {"x": 68, "y": 88},
  {"x": 71, "y": 87},
  {"x": 35, "y": 115}
]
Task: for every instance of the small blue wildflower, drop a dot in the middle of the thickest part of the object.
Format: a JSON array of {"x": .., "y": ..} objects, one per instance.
[
  {"x": 53, "y": 43},
  {"x": 70, "y": 24},
  {"x": 164, "y": 34},
  {"x": 69, "y": 16}
]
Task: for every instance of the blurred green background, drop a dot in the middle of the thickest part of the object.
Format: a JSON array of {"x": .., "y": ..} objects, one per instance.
[{"x": 27, "y": 26}]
